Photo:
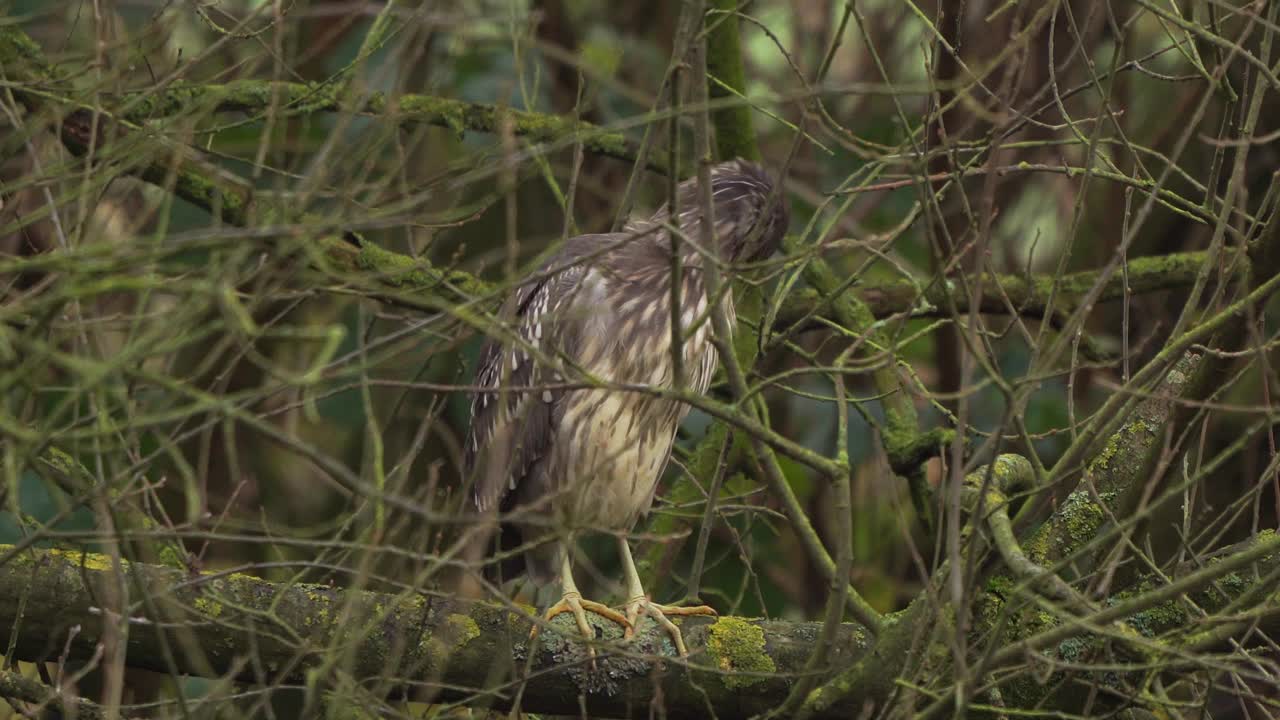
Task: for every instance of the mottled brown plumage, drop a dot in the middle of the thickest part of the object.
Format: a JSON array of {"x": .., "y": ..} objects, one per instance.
[{"x": 556, "y": 461}]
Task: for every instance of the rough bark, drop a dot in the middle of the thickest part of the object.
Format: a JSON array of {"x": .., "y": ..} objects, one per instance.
[
  {"x": 221, "y": 624},
  {"x": 233, "y": 624}
]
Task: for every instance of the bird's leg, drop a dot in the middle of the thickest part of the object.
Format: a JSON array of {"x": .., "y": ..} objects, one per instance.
[
  {"x": 571, "y": 602},
  {"x": 639, "y": 604}
]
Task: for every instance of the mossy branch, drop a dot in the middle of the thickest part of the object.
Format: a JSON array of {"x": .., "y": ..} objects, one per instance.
[
  {"x": 446, "y": 650},
  {"x": 905, "y": 444},
  {"x": 1027, "y": 294},
  {"x": 1150, "y": 625},
  {"x": 48, "y": 701},
  {"x": 398, "y": 278},
  {"x": 987, "y": 493},
  {"x": 287, "y": 99},
  {"x": 1115, "y": 473},
  {"x": 23, "y": 61}
]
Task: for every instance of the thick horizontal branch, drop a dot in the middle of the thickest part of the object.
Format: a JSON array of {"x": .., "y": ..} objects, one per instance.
[
  {"x": 16, "y": 687},
  {"x": 443, "y": 649},
  {"x": 1028, "y": 294}
]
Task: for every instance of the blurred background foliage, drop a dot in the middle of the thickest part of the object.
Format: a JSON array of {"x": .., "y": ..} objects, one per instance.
[{"x": 212, "y": 383}]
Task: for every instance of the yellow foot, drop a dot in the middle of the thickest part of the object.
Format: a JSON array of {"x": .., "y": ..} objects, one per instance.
[
  {"x": 573, "y": 603},
  {"x": 640, "y": 606}
]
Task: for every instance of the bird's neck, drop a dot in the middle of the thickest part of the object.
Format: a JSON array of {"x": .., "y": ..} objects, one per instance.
[{"x": 695, "y": 250}]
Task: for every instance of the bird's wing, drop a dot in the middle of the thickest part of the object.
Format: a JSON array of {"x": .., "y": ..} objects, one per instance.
[{"x": 511, "y": 431}]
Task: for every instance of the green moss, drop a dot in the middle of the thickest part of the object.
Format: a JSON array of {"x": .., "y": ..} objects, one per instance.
[
  {"x": 172, "y": 556},
  {"x": 319, "y": 604},
  {"x": 396, "y": 269},
  {"x": 1234, "y": 584},
  {"x": 450, "y": 634},
  {"x": 1074, "y": 524},
  {"x": 1012, "y": 470},
  {"x": 1158, "y": 619},
  {"x": 463, "y": 629},
  {"x": 734, "y": 134},
  {"x": 88, "y": 561},
  {"x": 208, "y": 607},
  {"x": 61, "y": 462},
  {"x": 18, "y": 49},
  {"x": 990, "y": 605},
  {"x": 1001, "y": 586},
  {"x": 454, "y": 117},
  {"x": 205, "y": 193},
  {"x": 737, "y": 646},
  {"x": 1084, "y": 518},
  {"x": 435, "y": 111},
  {"x": 414, "y": 274},
  {"x": 907, "y": 447}
]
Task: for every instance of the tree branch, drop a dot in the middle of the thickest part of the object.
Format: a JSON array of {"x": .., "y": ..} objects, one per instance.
[
  {"x": 448, "y": 651},
  {"x": 444, "y": 650},
  {"x": 734, "y": 134},
  {"x": 398, "y": 278},
  {"x": 410, "y": 110},
  {"x": 1029, "y": 294},
  {"x": 16, "y": 687},
  {"x": 1112, "y": 475}
]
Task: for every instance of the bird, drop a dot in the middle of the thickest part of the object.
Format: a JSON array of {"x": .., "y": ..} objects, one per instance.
[{"x": 550, "y": 452}]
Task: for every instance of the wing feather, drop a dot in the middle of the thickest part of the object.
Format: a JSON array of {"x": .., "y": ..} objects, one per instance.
[{"x": 512, "y": 414}]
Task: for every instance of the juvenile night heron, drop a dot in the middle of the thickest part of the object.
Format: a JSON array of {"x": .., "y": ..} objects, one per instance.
[{"x": 555, "y": 461}]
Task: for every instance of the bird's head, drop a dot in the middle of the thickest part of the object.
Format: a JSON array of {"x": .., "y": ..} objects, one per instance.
[{"x": 751, "y": 216}]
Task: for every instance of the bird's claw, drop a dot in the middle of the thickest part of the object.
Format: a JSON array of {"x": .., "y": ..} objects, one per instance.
[
  {"x": 575, "y": 604},
  {"x": 641, "y": 605}
]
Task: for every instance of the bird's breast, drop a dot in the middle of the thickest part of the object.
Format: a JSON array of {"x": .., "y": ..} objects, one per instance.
[{"x": 615, "y": 443}]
